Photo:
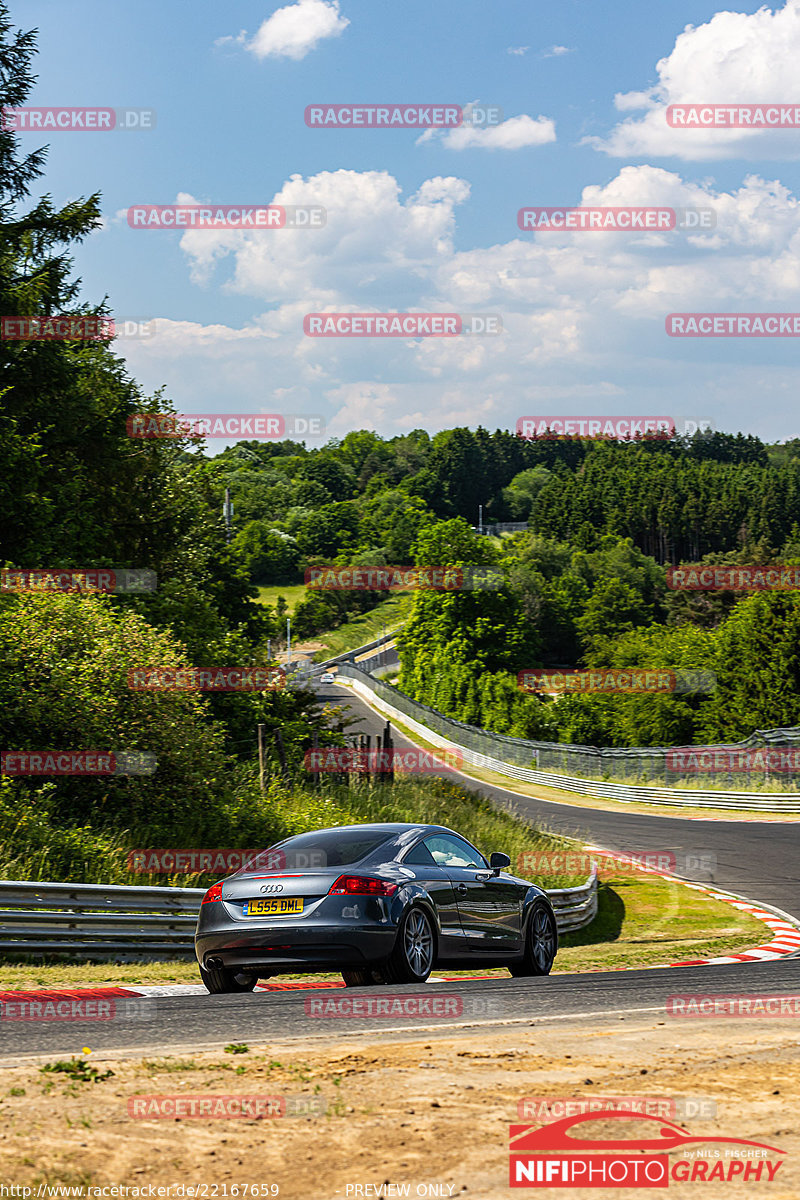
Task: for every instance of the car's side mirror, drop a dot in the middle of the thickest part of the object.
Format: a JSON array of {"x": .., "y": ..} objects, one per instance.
[{"x": 498, "y": 861}]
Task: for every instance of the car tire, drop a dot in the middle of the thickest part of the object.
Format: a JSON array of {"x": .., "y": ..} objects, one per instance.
[
  {"x": 222, "y": 980},
  {"x": 541, "y": 943},
  {"x": 361, "y": 977},
  {"x": 414, "y": 952}
]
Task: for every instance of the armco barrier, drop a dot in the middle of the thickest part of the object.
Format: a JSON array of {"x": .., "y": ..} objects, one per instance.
[
  {"x": 473, "y": 742},
  {"x": 99, "y": 921},
  {"x": 91, "y": 920},
  {"x": 575, "y": 907},
  {"x": 501, "y": 527},
  {"x": 350, "y": 655}
]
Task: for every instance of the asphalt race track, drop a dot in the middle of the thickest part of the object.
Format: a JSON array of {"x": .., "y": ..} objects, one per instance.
[{"x": 170, "y": 1023}]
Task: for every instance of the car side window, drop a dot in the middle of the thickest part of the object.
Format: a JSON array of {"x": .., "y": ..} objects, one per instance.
[
  {"x": 420, "y": 856},
  {"x": 450, "y": 851}
]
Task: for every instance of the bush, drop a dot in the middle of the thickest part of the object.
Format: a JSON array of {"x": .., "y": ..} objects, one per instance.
[{"x": 64, "y": 665}]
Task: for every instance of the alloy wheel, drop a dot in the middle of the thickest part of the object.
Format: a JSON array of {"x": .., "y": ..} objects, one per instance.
[
  {"x": 542, "y": 939},
  {"x": 418, "y": 942}
]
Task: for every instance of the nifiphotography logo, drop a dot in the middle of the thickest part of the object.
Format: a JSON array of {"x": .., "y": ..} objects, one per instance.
[{"x": 549, "y": 1156}]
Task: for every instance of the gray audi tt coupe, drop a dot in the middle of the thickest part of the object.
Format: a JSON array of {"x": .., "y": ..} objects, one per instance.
[{"x": 380, "y": 903}]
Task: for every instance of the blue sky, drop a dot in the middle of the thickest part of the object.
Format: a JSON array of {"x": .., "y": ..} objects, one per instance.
[{"x": 424, "y": 225}]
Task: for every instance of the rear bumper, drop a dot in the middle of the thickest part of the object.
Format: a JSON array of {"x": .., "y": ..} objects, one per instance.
[{"x": 295, "y": 948}]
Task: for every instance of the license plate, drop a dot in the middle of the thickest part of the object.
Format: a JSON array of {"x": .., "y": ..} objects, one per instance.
[{"x": 272, "y": 908}]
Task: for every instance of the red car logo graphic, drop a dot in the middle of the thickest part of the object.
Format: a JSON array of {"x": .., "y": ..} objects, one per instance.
[{"x": 532, "y": 1139}]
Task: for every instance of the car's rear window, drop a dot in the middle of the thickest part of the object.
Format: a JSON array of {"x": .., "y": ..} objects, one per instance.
[{"x": 323, "y": 848}]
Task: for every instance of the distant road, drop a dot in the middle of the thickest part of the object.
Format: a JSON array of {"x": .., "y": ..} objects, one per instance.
[{"x": 759, "y": 859}]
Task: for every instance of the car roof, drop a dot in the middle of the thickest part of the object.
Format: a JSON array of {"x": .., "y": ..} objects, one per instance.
[
  {"x": 392, "y": 831},
  {"x": 387, "y": 827}
]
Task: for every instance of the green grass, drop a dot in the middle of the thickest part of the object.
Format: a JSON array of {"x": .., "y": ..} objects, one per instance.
[
  {"x": 33, "y": 976},
  {"x": 292, "y": 593},
  {"x": 36, "y": 843},
  {"x": 385, "y": 617},
  {"x": 643, "y": 921},
  {"x": 33, "y": 846},
  {"x": 171, "y": 1065},
  {"x": 78, "y": 1069},
  {"x": 442, "y": 803}
]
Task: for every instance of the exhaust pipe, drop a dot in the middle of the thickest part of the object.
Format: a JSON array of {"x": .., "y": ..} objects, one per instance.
[{"x": 214, "y": 963}]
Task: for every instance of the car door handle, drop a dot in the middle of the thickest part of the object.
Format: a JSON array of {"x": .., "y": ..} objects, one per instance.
[{"x": 462, "y": 889}]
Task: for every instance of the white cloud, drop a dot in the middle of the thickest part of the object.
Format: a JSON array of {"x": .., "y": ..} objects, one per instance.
[
  {"x": 363, "y": 404},
  {"x": 734, "y": 57},
  {"x": 293, "y": 31},
  {"x": 364, "y": 210},
  {"x": 239, "y": 40},
  {"x": 514, "y": 134},
  {"x": 557, "y": 51},
  {"x": 518, "y": 50},
  {"x": 583, "y": 312}
]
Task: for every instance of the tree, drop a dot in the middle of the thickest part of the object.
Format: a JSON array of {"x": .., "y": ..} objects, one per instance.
[
  {"x": 392, "y": 520},
  {"x": 84, "y": 493},
  {"x": 60, "y": 399},
  {"x": 613, "y": 608},
  {"x": 455, "y": 479},
  {"x": 65, "y": 664},
  {"x": 520, "y": 495},
  {"x": 465, "y": 630},
  {"x": 330, "y": 530},
  {"x": 324, "y": 469},
  {"x": 757, "y": 664},
  {"x": 271, "y": 556},
  {"x": 647, "y": 718}
]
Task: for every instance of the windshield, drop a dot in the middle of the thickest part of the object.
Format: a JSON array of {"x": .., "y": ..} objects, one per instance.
[{"x": 318, "y": 850}]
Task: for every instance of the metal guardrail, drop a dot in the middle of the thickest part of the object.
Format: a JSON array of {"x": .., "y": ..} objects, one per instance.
[
  {"x": 576, "y": 907},
  {"x": 123, "y": 922},
  {"x": 350, "y": 655},
  {"x": 496, "y": 528},
  {"x": 376, "y": 665},
  {"x": 90, "y": 920},
  {"x": 429, "y": 724}
]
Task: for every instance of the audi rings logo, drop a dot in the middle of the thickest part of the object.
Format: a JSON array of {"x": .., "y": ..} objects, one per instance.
[{"x": 272, "y": 887}]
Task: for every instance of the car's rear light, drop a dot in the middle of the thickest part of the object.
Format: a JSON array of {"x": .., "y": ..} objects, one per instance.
[
  {"x": 213, "y": 893},
  {"x": 361, "y": 885}
]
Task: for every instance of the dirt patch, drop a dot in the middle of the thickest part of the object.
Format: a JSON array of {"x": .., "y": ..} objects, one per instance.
[
  {"x": 423, "y": 1113},
  {"x": 301, "y": 650}
]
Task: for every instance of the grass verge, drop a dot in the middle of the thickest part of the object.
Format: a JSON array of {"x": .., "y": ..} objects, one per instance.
[
  {"x": 384, "y": 618},
  {"x": 43, "y": 851},
  {"x": 643, "y": 920}
]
